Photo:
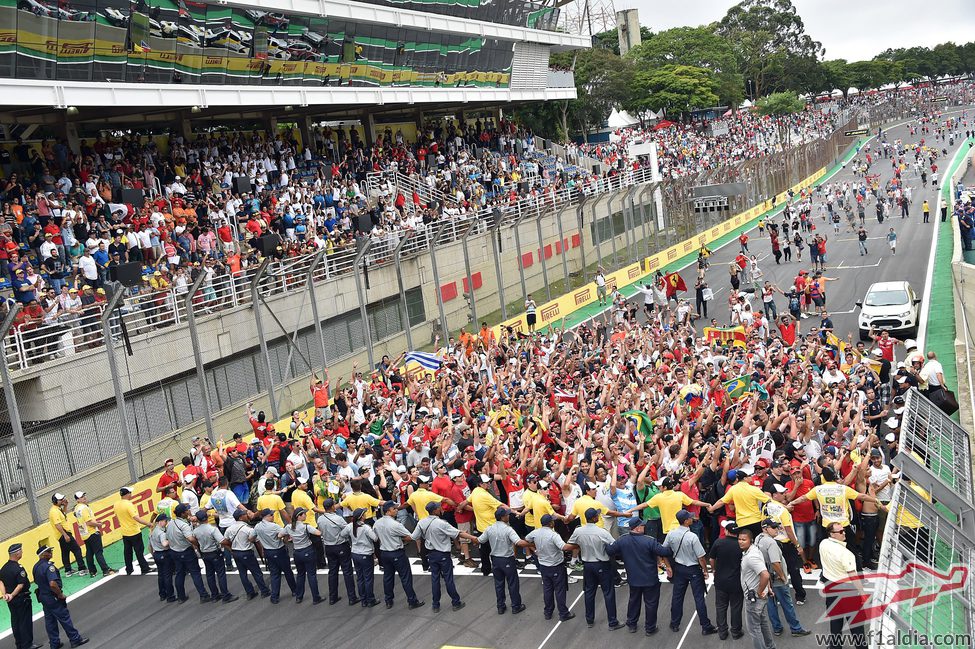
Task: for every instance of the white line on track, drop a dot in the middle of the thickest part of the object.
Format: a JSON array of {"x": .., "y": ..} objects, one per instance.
[{"x": 559, "y": 623}]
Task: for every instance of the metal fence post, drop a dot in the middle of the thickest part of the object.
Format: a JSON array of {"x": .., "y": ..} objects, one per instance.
[
  {"x": 436, "y": 277},
  {"x": 256, "y": 305},
  {"x": 13, "y": 412},
  {"x": 563, "y": 247},
  {"x": 521, "y": 265},
  {"x": 404, "y": 311},
  {"x": 117, "y": 295},
  {"x": 612, "y": 228},
  {"x": 496, "y": 248},
  {"x": 201, "y": 375},
  {"x": 317, "y": 259},
  {"x": 595, "y": 237},
  {"x": 467, "y": 268},
  {"x": 541, "y": 255},
  {"x": 580, "y": 212},
  {"x": 363, "y": 311}
]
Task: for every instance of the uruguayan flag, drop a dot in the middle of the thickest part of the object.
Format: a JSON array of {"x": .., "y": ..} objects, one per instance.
[{"x": 425, "y": 360}]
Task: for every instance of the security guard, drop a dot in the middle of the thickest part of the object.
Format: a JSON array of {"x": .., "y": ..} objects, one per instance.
[
  {"x": 640, "y": 554},
  {"x": 212, "y": 543},
  {"x": 338, "y": 553},
  {"x": 183, "y": 545},
  {"x": 689, "y": 568},
  {"x": 503, "y": 540},
  {"x": 243, "y": 543},
  {"x": 163, "y": 556},
  {"x": 272, "y": 536},
  {"x": 437, "y": 536},
  {"x": 597, "y": 571},
  {"x": 91, "y": 534},
  {"x": 549, "y": 549},
  {"x": 15, "y": 590},
  {"x": 52, "y": 598},
  {"x": 392, "y": 556},
  {"x": 363, "y": 544},
  {"x": 306, "y": 562}
]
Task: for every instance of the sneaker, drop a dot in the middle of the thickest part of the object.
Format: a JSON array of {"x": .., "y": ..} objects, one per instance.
[
  {"x": 800, "y": 602},
  {"x": 469, "y": 563},
  {"x": 515, "y": 610},
  {"x": 777, "y": 631},
  {"x": 82, "y": 573},
  {"x": 111, "y": 571},
  {"x": 68, "y": 573},
  {"x": 801, "y": 632},
  {"x": 807, "y": 569},
  {"x": 458, "y": 606}
]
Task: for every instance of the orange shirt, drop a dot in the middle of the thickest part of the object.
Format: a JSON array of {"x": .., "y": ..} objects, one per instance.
[{"x": 320, "y": 395}]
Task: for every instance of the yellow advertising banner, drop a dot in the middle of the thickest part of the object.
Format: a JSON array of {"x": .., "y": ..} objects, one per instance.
[{"x": 553, "y": 311}]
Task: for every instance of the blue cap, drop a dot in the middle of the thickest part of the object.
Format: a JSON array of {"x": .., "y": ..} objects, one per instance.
[
  {"x": 684, "y": 515},
  {"x": 732, "y": 475},
  {"x": 636, "y": 522},
  {"x": 547, "y": 519},
  {"x": 328, "y": 503},
  {"x": 592, "y": 514},
  {"x": 432, "y": 506},
  {"x": 389, "y": 504},
  {"x": 359, "y": 513},
  {"x": 501, "y": 512}
]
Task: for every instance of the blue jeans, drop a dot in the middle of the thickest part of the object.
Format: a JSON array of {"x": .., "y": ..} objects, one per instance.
[
  {"x": 784, "y": 598},
  {"x": 806, "y": 534}
]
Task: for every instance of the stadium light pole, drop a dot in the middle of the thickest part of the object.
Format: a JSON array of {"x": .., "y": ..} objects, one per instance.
[
  {"x": 496, "y": 248},
  {"x": 201, "y": 375},
  {"x": 258, "y": 321},
  {"x": 404, "y": 311},
  {"x": 13, "y": 412},
  {"x": 436, "y": 277},
  {"x": 363, "y": 311},
  {"x": 117, "y": 295}
]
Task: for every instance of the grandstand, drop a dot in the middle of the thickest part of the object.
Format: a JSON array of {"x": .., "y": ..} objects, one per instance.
[{"x": 259, "y": 82}]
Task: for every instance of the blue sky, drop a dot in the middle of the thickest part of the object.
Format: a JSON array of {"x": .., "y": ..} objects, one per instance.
[{"x": 847, "y": 29}]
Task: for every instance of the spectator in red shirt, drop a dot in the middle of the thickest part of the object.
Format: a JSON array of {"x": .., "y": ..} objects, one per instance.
[
  {"x": 803, "y": 511},
  {"x": 169, "y": 476},
  {"x": 463, "y": 514}
]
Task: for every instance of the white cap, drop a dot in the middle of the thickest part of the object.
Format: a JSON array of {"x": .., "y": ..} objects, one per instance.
[
  {"x": 543, "y": 484},
  {"x": 728, "y": 522},
  {"x": 455, "y": 473},
  {"x": 877, "y": 352},
  {"x": 79, "y": 494},
  {"x": 302, "y": 480},
  {"x": 188, "y": 478},
  {"x": 779, "y": 489},
  {"x": 273, "y": 471},
  {"x": 59, "y": 496},
  {"x": 485, "y": 478},
  {"x": 893, "y": 422},
  {"x": 910, "y": 343},
  {"x": 890, "y": 437},
  {"x": 902, "y": 379},
  {"x": 899, "y": 411},
  {"x": 424, "y": 478}
]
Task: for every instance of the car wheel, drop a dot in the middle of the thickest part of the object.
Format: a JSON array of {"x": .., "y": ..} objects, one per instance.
[{"x": 864, "y": 335}]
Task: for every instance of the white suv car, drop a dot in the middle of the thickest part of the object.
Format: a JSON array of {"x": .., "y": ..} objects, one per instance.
[{"x": 890, "y": 306}]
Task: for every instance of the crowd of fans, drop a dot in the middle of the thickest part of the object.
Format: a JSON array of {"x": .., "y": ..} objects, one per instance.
[{"x": 65, "y": 229}]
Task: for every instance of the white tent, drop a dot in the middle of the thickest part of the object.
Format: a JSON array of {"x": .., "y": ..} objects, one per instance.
[{"x": 621, "y": 119}]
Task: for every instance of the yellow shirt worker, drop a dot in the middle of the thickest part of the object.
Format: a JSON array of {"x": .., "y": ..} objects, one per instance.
[
  {"x": 358, "y": 499},
  {"x": 484, "y": 504},
  {"x": 130, "y": 524},
  {"x": 275, "y": 503},
  {"x": 300, "y": 498},
  {"x": 587, "y": 501},
  {"x": 418, "y": 499},
  {"x": 746, "y": 498},
  {"x": 669, "y": 503}
]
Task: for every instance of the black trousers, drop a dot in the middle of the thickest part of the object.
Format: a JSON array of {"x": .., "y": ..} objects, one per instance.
[
  {"x": 340, "y": 556},
  {"x": 870, "y": 526},
  {"x": 134, "y": 545},
  {"x": 649, "y": 598},
  {"x": 20, "y": 621},
  {"x": 555, "y": 584},
  {"x": 94, "y": 551},
  {"x": 596, "y": 575},
  {"x": 485, "y": 558},
  {"x": 793, "y": 564},
  {"x": 68, "y": 547},
  {"x": 728, "y": 601},
  {"x": 836, "y": 629}
]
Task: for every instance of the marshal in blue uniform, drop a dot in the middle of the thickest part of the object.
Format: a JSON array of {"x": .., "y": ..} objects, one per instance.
[
  {"x": 639, "y": 553},
  {"x": 47, "y": 578}
]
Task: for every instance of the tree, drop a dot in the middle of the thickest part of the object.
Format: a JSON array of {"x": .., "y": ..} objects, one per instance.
[
  {"x": 765, "y": 35},
  {"x": 778, "y": 105},
  {"x": 698, "y": 47},
  {"x": 838, "y": 76},
  {"x": 672, "y": 88}
]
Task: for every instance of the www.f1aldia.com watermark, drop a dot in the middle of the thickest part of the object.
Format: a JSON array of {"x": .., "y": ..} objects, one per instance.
[
  {"x": 861, "y": 598},
  {"x": 893, "y": 638}
]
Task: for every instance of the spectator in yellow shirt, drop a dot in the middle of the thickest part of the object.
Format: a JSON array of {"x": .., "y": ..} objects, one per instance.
[
  {"x": 359, "y": 498},
  {"x": 271, "y": 500},
  {"x": 747, "y": 499}
]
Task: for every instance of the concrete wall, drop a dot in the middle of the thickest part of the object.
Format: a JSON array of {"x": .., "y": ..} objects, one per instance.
[{"x": 963, "y": 281}]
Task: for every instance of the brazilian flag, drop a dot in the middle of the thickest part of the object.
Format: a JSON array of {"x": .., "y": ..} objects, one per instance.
[
  {"x": 643, "y": 421},
  {"x": 738, "y": 387}
]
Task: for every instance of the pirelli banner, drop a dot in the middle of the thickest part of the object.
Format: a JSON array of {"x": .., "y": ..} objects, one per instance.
[{"x": 555, "y": 311}]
